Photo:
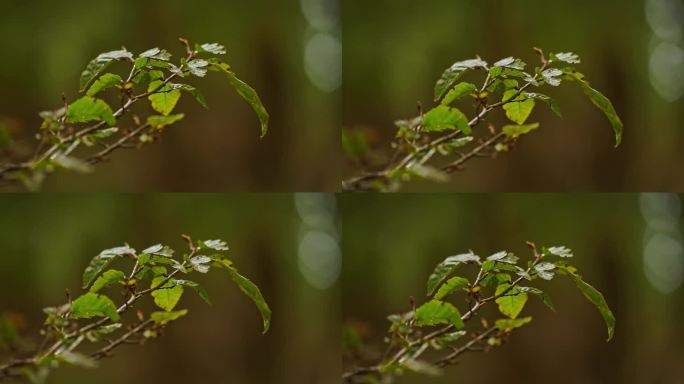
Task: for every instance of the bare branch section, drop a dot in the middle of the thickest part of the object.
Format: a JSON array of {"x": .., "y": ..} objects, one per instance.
[
  {"x": 432, "y": 336},
  {"x": 446, "y": 132}
]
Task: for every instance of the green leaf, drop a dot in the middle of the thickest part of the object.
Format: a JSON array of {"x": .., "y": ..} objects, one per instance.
[
  {"x": 198, "y": 67},
  {"x": 420, "y": 367},
  {"x": 602, "y": 103},
  {"x": 511, "y": 62},
  {"x": 199, "y": 97},
  {"x": 159, "y": 250},
  {"x": 562, "y": 251},
  {"x": 72, "y": 164},
  {"x": 157, "y": 54},
  {"x": 107, "y": 329},
  {"x": 446, "y": 267},
  {"x": 541, "y": 294},
  {"x": 88, "y": 109},
  {"x": 551, "y": 102},
  {"x": 214, "y": 48},
  {"x": 595, "y": 297},
  {"x": 162, "y": 121},
  {"x": 198, "y": 288},
  {"x": 442, "y": 118},
  {"x": 218, "y": 245},
  {"x": 163, "y": 98},
  {"x": 253, "y": 292},
  {"x": 544, "y": 270},
  {"x": 93, "y": 305},
  {"x": 200, "y": 263},
  {"x": 108, "y": 278},
  {"x": 510, "y": 324},
  {"x": 166, "y": 317},
  {"x": 100, "y": 63},
  {"x": 512, "y": 302},
  {"x": 436, "y": 312},
  {"x": 453, "y": 73},
  {"x": 101, "y": 261},
  {"x": 452, "y": 285},
  {"x": 105, "y": 81},
  {"x": 515, "y": 131},
  {"x": 517, "y": 109},
  {"x": 552, "y": 76},
  {"x": 503, "y": 257},
  {"x": 166, "y": 297},
  {"x": 458, "y": 91},
  {"x": 251, "y": 97},
  {"x": 75, "y": 358},
  {"x": 567, "y": 57}
]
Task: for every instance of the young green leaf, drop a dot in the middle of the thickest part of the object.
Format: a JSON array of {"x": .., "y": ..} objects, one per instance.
[
  {"x": 503, "y": 257},
  {"x": 72, "y": 164},
  {"x": 198, "y": 67},
  {"x": 163, "y": 97},
  {"x": 544, "y": 270},
  {"x": 436, "y": 312},
  {"x": 552, "y": 76},
  {"x": 421, "y": 367},
  {"x": 167, "y": 296},
  {"x": 541, "y": 294},
  {"x": 198, "y": 288},
  {"x": 564, "y": 252},
  {"x": 78, "y": 359},
  {"x": 458, "y": 91},
  {"x": 446, "y": 267},
  {"x": 251, "y": 97},
  {"x": 567, "y": 57},
  {"x": 159, "y": 250},
  {"x": 88, "y": 109},
  {"x": 517, "y": 109},
  {"x": 162, "y": 318},
  {"x": 105, "y": 81},
  {"x": 549, "y": 101},
  {"x": 100, "y": 63},
  {"x": 442, "y": 118},
  {"x": 511, "y": 324},
  {"x": 453, "y": 73},
  {"x": 110, "y": 277},
  {"x": 601, "y": 102},
  {"x": 511, "y": 302},
  {"x": 214, "y": 48},
  {"x": 515, "y": 131},
  {"x": 199, "y": 97},
  {"x": 595, "y": 297},
  {"x": 94, "y": 305},
  {"x": 217, "y": 245},
  {"x": 163, "y": 121},
  {"x": 101, "y": 261},
  {"x": 253, "y": 292},
  {"x": 452, "y": 285}
]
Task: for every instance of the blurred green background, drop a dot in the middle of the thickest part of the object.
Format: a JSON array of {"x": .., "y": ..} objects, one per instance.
[
  {"x": 632, "y": 51},
  {"x": 47, "y": 240},
  {"x": 280, "y": 48},
  {"x": 628, "y": 246}
]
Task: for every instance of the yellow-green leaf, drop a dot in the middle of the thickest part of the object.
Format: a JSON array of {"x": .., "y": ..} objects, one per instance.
[
  {"x": 437, "y": 312},
  {"x": 105, "y": 81},
  {"x": 517, "y": 109},
  {"x": 166, "y": 297},
  {"x": 514, "y": 131},
  {"x": 512, "y": 302},
  {"x": 163, "y": 98}
]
